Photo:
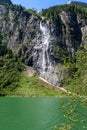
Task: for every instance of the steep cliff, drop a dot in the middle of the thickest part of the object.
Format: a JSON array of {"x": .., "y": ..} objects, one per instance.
[{"x": 43, "y": 40}]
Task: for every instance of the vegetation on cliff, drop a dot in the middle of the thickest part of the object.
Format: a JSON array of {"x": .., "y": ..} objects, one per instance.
[
  {"x": 13, "y": 78},
  {"x": 77, "y": 80},
  {"x": 12, "y": 65},
  {"x": 77, "y": 66},
  {"x": 53, "y": 12},
  {"x": 10, "y": 69}
]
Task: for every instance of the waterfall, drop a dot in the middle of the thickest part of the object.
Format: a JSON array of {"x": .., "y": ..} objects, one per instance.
[
  {"x": 43, "y": 50},
  {"x": 46, "y": 62}
]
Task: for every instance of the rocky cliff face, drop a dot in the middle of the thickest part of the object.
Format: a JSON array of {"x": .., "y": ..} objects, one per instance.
[
  {"x": 41, "y": 47},
  {"x": 73, "y": 35}
]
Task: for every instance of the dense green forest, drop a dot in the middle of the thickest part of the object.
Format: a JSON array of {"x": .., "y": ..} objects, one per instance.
[
  {"x": 10, "y": 68},
  {"x": 53, "y": 12},
  {"x": 81, "y": 4},
  {"x": 77, "y": 79}
]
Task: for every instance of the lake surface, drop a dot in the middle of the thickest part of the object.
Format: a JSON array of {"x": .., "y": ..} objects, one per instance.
[{"x": 30, "y": 113}]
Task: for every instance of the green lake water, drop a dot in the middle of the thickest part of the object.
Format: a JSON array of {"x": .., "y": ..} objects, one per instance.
[{"x": 30, "y": 113}]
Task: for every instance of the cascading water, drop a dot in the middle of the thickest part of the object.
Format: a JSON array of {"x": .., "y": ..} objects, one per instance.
[
  {"x": 46, "y": 62},
  {"x": 43, "y": 50}
]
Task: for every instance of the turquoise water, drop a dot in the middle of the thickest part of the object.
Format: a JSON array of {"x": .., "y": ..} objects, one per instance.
[{"x": 30, "y": 113}]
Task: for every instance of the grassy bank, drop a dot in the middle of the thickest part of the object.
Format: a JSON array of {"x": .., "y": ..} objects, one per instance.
[
  {"x": 33, "y": 87},
  {"x": 14, "y": 81}
]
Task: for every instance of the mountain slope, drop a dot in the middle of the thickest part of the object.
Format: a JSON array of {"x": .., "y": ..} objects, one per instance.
[
  {"x": 60, "y": 30},
  {"x": 81, "y": 4}
]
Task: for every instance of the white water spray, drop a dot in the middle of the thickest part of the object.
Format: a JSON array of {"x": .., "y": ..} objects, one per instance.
[{"x": 46, "y": 63}]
